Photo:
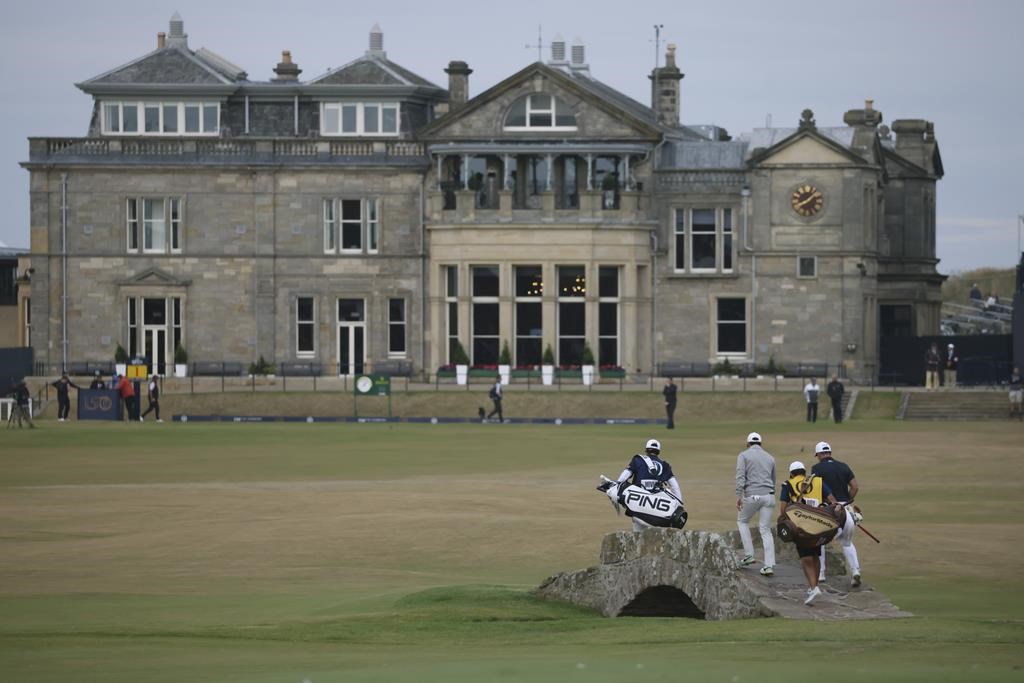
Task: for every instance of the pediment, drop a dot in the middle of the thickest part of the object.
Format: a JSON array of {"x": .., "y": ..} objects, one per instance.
[
  {"x": 599, "y": 113},
  {"x": 154, "y": 277},
  {"x": 169, "y": 66},
  {"x": 806, "y": 150}
]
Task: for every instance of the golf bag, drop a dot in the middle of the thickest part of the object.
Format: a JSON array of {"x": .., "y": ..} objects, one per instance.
[
  {"x": 809, "y": 526},
  {"x": 658, "y": 508}
]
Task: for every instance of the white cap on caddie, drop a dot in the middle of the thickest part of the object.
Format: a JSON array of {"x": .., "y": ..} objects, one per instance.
[
  {"x": 796, "y": 465},
  {"x": 822, "y": 447},
  {"x": 753, "y": 437}
]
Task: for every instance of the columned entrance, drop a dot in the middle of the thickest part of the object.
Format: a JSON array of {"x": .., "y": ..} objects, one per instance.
[{"x": 351, "y": 336}]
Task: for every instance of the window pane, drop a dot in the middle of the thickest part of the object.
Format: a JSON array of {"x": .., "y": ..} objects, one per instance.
[
  {"x": 452, "y": 280},
  {"x": 680, "y": 251},
  {"x": 130, "y": 116},
  {"x": 152, "y": 119},
  {"x": 305, "y": 338},
  {"x": 485, "y": 281},
  {"x": 704, "y": 219},
  {"x": 571, "y": 319},
  {"x": 485, "y": 319},
  {"x": 528, "y": 281},
  {"x": 348, "y": 118},
  {"x": 727, "y": 251},
  {"x": 170, "y": 118},
  {"x": 540, "y": 120},
  {"x": 732, "y": 309},
  {"x": 112, "y": 117},
  {"x": 807, "y": 266},
  {"x": 608, "y": 351},
  {"x": 528, "y": 320},
  {"x": 154, "y": 311},
  {"x": 570, "y": 351},
  {"x": 396, "y": 339},
  {"x": 133, "y": 224},
  {"x": 485, "y": 351},
  {"x": 540, "y": 102},
  {"x": 211, "y": 120},
  {"x": 453, "y": 319},
  {"x": 517, "y": 114},
  {"x": 703, "y": 251},
  {"x": 351, "y": 310},
  {"x": 571, "y": 281},
  {"x": 564, "y": 115},
  {"x": 191, "y": 118},
  {"x": 732, "y": 338},
  {"x": 608, "y": 322},
  {"x": 528, "y": 351},
  {"x": 351, "y": 209},
  {"x": 608, "y": 281},
  {"x": 332, "y": 119},
  {"x": 370, "y": 118},
  {"x": 389, "y": 122},
  {"x": 727, "y": 220},
  {"x": 153, "y": 234},
  {"x": 396, "y": 310},
  {"x": 351, "y": 236},
  {"x": 305, "y": 309}
]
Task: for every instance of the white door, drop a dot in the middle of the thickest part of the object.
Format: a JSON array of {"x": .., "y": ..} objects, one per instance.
[
  {"x": 154, "y": 335},
  {"x": 351, "y": 336}
]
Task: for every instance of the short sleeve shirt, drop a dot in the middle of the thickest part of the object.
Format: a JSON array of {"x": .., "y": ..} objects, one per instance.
[
  {"x": 787, "y": 493},
  {"x": 837, "y": 476},
  {"x": 649, "y": 470}
]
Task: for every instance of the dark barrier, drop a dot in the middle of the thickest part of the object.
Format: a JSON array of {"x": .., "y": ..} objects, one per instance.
[
  {"x": 984, "y": 358},
  {"x": 15, "y": 365},
  {"x": 99, "y": 404}
]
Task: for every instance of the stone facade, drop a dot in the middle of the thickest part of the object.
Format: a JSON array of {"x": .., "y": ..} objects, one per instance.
[{"x": 685, "y": 245}]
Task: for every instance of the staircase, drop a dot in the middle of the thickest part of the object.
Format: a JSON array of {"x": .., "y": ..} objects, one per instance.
[{"x": 957, "y": 405}]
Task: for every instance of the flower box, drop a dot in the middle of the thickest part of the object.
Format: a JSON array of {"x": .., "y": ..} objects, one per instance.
[{"x": 612, "y": 373}]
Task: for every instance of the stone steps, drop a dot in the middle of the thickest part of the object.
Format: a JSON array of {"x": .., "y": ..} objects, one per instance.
[{"x": 957, "y": 405}]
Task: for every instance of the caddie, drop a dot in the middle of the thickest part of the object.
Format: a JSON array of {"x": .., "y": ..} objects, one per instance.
[
  {"x": 813, "y": 491},
  {"x": 648, "y": 471}
]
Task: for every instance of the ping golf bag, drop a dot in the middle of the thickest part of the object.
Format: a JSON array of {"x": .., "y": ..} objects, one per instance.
[{"x": 658, "y": 508}]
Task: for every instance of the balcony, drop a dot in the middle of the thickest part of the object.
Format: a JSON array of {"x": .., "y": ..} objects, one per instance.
[
  {"x": 230, "y": 151},
  {"x": 454, "y": 206}
]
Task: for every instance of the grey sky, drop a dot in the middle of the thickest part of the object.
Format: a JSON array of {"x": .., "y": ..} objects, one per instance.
[{"x": 956, "y": 63}]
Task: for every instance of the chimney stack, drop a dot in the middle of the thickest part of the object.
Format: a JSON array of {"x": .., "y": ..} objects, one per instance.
[
  {"x": 376, "y": 42},
  {"x": 161, "y": 40},
  {"x": 579, "y": 58},
  {"x": 286, "y": 70},
  {"x": 665, "y": 89},
  {"x": 458, "y": 84},
  {"x": 558, "y": 51},
  {"x": 177, "y": 36}
]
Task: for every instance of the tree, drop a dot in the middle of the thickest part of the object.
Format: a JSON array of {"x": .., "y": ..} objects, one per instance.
[
  {"x": 505, "y": 357},
  {"x": 549, "y": 356},
  {"x": 459, "y": 356},
  {"x": 588, "y": 355}
]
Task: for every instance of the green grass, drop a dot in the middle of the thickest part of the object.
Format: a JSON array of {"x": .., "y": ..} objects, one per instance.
[{"x": 292, "y": 552}]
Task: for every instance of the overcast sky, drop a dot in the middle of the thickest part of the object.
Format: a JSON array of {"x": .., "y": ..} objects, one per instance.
[{"x": 958, "y": 64}]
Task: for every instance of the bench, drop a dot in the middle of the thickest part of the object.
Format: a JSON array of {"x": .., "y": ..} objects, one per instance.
[
  {"x": 807, "y": 370},
  {"x": 81, "y": 368},
  {"x": 677, "y": 369},
  {"x": 301, "y": 369},
  {"x": 395, "y": 368},
  {"x": 222, "y": 369}
]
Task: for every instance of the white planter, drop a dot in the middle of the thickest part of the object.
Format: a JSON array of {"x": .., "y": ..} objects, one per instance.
[
  {"x": 461, "y": 374},
  {"x": 547, "y": 374},
  {"x": 181, "y": 369},
  {"x": 121, "y": 369},
  {"x": 588, "y": 374},
  {"x": 506, "y": 373}
]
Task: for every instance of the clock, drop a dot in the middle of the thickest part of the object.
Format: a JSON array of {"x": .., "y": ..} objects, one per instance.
[
  {"x": 807, "y": 200},
  {"x": 364, "y": 384}
]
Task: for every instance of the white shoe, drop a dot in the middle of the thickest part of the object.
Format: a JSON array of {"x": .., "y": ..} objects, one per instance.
[
  {"x": 767, "y": 570},
  {"x": 159, "y": 420},
  {"x": 142, "y": 419},
  {"x": 60, "y": 419},
  {"x": 811, "y": 595},
  {"x": 855, "y": 583},
  {"x": 821, "y": 577}
]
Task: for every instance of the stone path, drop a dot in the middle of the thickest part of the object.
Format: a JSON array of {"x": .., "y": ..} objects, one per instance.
[{"x": 664, "y": 572}]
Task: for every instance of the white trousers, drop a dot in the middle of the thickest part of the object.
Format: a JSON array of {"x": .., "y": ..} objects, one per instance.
[
  {"x": 764, "y": 506},
  {"x": 845, "y": 538}
]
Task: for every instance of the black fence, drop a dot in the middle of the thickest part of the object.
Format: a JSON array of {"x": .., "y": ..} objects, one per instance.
[
  {"x": 985, "y": 359},
  {"x": 704, "y": 369}
]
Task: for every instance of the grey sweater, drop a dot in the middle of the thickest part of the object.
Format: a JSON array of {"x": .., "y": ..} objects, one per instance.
[{"x": 755, "y": 472}]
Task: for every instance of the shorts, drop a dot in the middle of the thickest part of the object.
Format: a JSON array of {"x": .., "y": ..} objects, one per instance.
[
  {"x": 811, "y": 551},
  {"x": 1016, "y": 396}
]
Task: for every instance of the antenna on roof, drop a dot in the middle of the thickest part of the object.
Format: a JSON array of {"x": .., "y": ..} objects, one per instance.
[
  {"x": 767, "y": 120},
  {"x": 539, "y": 45}
]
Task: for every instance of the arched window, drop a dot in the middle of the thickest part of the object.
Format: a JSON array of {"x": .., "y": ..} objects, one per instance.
[{"x": 540, "y": 111}]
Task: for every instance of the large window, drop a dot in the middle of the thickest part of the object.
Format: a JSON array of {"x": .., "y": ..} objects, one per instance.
[
  {"x": 572, "y": 314},
  {"x": 305, "y": 327},
  {"x": 451, "y": 298},
  {"x": 351, "y": 226},
  {"x": 703, "y": 240},
  {"x": 540, "y": 111},
  {"x": 359, "y": 118},
  {"x": 486, "y": 326},
  {"x": 154, "y": 224},
  {"x": 396, "y": 327},
  {"x": 608, "y": 315},
  {"x": 529, "y": 326},
  {"x": 807, "y": 266},
  {"x": 731, "y": 327},
  {"x": 161, "y": 118}
]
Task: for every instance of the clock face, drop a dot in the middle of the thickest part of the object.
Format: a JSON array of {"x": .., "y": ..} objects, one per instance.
[
  {"x": 364, "y": 384},
  {"x": 807, "y": 200}
]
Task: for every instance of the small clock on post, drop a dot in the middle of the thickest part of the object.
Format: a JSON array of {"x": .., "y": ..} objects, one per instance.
[{"x": 807, "y": 200}]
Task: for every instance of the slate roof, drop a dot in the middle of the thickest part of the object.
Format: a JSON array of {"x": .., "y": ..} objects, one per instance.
[
  {"x": 164, "y": 66},
  {"x": 372, "y": 70},
  {"x": 734, "y": 154}
]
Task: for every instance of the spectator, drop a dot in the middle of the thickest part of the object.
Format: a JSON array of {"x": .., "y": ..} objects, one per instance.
[
  {"x": 495, "y": 395},
  {"x": 669, "y": 392},
  {"x": 991, "y": 302},
  {"x": 97, "y": 381},
  {"x": 1016, "y": 395},
  {"x": 811, "y": 391},
  {"x": 932, "y": 362},
  {"x": 22, "y": 406},
  {"x": 127, "y": 391},
  {"x": 975, "y": 295},
  {"x": 154, "y": 399},
  {"x": 835, "y": 390},
  {"x": 64, "y": 386},
  {"x": 952, "y": 360}
]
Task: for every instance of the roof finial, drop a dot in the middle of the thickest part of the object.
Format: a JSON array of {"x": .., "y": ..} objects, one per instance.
[
  {"x": 807, "y": 120},
  {"x": 376, "y": 42},
  {"x": 177, "y": 36}
]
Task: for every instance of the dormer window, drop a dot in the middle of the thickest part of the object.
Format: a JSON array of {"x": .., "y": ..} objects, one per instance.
[
  {"x": 161, "y": 118},
  {"x": 540, "y": 112},
  {"x": 359, "y": 118}
]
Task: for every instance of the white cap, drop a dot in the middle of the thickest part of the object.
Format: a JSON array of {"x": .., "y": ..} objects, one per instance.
[
  {"x": 950, "y": 345},
  {"x": 822, "y": 447},
  {"x": 753, "y": 437},
  {"x": 653, "y": 444},
  {"x": 796, "y": 465}
]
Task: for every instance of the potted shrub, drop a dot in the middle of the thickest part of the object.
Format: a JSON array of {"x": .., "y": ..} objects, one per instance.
[
  {"x": 610, "y": 190},
  {"x": 180, "y": 361},
  {"x": 505, "y": 363},
  {"x": 461, "y": 363},
  {"x": 588, "y": 365},
  {"x": 120, "y": 361},
  {"x": 262, "y": 367},
  {"x": 547, "y": 368}
]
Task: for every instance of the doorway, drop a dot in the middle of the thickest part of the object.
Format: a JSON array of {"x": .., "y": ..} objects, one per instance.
[{"x": 351, "y": 336}]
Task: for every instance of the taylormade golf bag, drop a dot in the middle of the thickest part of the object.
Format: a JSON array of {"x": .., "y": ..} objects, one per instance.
[
  {"x": 810, "y": 526},
  {"x": 657, "y": 508}
]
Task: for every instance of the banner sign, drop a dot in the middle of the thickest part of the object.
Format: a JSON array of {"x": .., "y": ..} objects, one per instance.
[
  {"x": 372, "y": 385},
  {"x": 99, "y": 404}
]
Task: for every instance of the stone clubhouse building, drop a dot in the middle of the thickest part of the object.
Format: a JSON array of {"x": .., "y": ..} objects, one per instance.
[{"x": 368, "y": 215}]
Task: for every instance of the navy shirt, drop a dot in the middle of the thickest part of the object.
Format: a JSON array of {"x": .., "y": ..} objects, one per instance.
[
  {"x": 837, "y": 476},
  {"x": 659, "y": 471}
]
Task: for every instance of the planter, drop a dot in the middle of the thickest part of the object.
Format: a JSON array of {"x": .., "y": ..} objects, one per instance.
[
  {"x": 522, "y": 373},
  {"x": 482, "y": 372},
  {"x": 547, "y": 374},
  {"x": 588, "y": 374},
  {"x": 181, "y": 370},
  {"x": 461, "y": 374},
  {"x": 506, "y": 372},
  {"x": 570, "y": 374},
  {"x": 613, "y": 374},
  {"x": 446, "y": 374}
]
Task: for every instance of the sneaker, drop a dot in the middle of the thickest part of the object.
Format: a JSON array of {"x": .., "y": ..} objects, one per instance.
[
  {"x": 747, "y": 561},
  {"x": 821, "y": 578},
  {"x": 856, "y": 581},
  {"x": 811, "y": 595},
  {"x": 159, "y": 420},
  {"x": 60, "y": 419},
  {"x": 767, "y": 570},
  {"x": 142, "y": 419}
]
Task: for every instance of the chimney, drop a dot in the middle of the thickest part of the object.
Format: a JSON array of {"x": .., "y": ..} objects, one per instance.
[
  {"x": 867, "y": 117},
  {"x": 177, "y": 36},
  {"x": 161, "y": 40},
  {"x": 665, "y": 89},
  {"x": 558, "y": 51},
  {"x": 286, "y": 70},
  {"x": 579, "y": 58},
  {"x": 458, "y": 84},
  {"x": 376, "y": 43},
  {"x": 915, "y": 141}
]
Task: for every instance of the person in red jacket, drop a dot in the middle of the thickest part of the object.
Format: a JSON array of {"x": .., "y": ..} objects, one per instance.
[{"x": 127, "y": 392}]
